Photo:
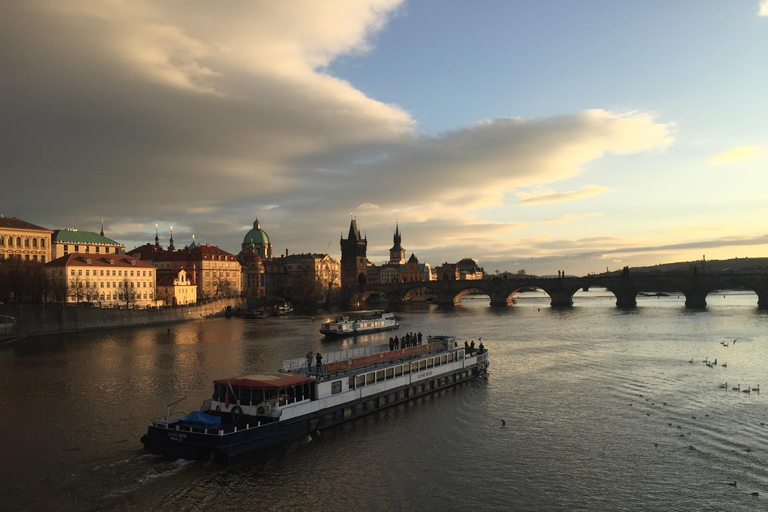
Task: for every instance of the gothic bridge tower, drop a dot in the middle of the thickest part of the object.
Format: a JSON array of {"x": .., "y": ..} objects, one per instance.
[
  {"x": 354, "y": 263},
  {"x": 397, "y": 253}
]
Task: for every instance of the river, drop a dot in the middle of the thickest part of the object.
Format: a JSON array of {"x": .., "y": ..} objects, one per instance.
[{"x": 604, "y": 411}]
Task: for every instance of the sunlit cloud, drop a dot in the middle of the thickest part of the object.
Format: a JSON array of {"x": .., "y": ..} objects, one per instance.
[
  {"x": 571, "y": 217},
  {"x": 550, "y": 196},
  {"x": 368, "y": 206},
  {"x": 763, "y": 10},
  {"x": 736, "y": 154}
]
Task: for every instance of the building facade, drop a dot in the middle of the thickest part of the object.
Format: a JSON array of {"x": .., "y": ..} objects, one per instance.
[
  {"x": 24, "y": 241},
  {"x": 107, "y": 280},
  {"x": 216, "y": 272},
  {"x": 176, "y": 291}
]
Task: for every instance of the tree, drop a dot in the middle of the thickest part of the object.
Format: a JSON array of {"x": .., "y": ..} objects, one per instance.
[{"x": 128, "y": 294}]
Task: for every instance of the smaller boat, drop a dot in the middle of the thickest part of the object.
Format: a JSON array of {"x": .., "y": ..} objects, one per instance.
[
  {"x": 255, "y": 313},
  {"x": 360, "y": 322}
]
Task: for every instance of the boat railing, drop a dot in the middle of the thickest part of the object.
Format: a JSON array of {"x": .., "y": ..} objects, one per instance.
[{"x": 292, "y": 365}]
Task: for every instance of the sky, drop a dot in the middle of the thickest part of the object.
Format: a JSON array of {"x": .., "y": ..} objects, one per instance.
[{"x": 529, "y": 135}]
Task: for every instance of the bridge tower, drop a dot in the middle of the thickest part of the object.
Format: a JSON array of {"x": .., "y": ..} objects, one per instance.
[
  {"x": 397, "y": 253},
  {"x": 354, "y": 263}
]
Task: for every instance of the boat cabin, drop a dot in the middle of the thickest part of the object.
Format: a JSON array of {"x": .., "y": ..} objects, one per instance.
[{"x": 262, "y": 394}]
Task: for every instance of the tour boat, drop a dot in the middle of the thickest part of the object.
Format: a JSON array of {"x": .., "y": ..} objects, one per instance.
[
  {"x": 360, "y": 322},
  {"x": 249, "y": 412}
]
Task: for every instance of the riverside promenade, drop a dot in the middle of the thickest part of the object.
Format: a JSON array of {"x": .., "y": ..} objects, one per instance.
[{"x": 55, "y": 319}]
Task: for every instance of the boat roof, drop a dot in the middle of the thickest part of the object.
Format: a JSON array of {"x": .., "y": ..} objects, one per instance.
[{"x": 265, "y": 380}]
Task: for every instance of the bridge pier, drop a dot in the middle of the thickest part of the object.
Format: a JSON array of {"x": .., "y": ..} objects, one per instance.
[
  {"x": 561, "y": 298},
  {"x": 626, "y": 298},
  {"x": 445, "y": 299},
  {"x": 500, "y": 300},
  {"x": 695, "y": 299},
  {"x": 762, "y": 299}
]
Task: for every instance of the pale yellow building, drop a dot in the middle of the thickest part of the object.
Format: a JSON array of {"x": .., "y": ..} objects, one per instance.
[
  {"x": 24, "y": 240},
  {"x": 178, "y": 291},
  {"x": 114, "y": 280}
]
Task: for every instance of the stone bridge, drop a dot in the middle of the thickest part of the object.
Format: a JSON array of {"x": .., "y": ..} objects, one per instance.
[{"x": 625, "y": 287}]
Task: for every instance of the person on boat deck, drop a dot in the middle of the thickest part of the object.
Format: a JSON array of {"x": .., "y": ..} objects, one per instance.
[
  {"x": 397, "y": 342},
  {"x": 391, "y": 344},
  {"x": 481, "y": 348},
  {"x": 319, "y": 360},
  {"x": 419, "y": 336},
  {"x": 309, "y": 361},
  {"x": 466, "y": 347},
  {"x": 472, "y": 347}
]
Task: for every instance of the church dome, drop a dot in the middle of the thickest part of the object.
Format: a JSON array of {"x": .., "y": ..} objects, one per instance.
[{"x": 257, "y": 236}]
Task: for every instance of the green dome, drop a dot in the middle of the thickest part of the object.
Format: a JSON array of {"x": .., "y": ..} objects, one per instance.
[{"x": 257, "y": 236}]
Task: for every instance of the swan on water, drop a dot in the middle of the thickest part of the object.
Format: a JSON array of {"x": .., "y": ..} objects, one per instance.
[{"x": 737, "y": 388}]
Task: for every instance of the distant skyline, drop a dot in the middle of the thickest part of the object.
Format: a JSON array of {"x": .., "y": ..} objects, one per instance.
[{"x": 537, "y": 135}]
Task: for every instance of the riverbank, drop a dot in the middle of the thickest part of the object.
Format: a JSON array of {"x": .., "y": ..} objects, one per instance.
[{"x": 39, "y": 320}]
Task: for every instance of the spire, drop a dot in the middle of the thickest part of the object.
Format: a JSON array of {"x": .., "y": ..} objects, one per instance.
[
  {"x": 256, "y": 224},
  {"x": 102, "y": 227},
  {"x": 157, "y": 237},
  {"x": 354, "y": 233},
  {"x": 171, "y": 247},
  {"x": 194, "y": 244}
]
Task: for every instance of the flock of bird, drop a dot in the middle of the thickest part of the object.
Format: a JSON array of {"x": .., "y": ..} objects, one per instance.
[{"x": 713, "y": 364}]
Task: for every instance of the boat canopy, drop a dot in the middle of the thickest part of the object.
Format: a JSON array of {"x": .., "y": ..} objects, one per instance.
[{"x": 269, "y": 380}]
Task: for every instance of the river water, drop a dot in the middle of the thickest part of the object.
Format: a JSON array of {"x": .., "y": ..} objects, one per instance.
[{"x": 604, "y": 410}]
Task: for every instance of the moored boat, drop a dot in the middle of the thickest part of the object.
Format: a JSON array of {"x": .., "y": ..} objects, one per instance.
[
  {"x": 360, "y": 322},
  {"x": 249, "y": 412}
]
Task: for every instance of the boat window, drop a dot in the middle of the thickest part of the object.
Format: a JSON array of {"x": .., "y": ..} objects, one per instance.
[
  {"x": 245, "y": 395},
  {"x": 351, "y": 383},
  {"x": 422, "y": 364},
  {"x": 415, "y": 367},
  {"x": 347, "y": 412},
  {"x": 328, "y": 419},
  {"x": 309, "y": 391},
  {"x": 429, "y": 363},
  {"x": 444, "y": 359},
  {"x": 392, "y": 398},
  {"x": 298, "y": 393},
  {"x": 359, "y": 408},
  {"x": 379, "y": 375},
  {"x": 360, "y": 381},
  {"x": 437, "y": 361},
  {"x": 398, "y": 371},
  {"x": 390, "y": 373},
  {"x": 335, "y": 387},
  {"x": 402, "y": 394},
  {"x": 450, "y": 357},
  {"x": 257, "y": 396},
  {"x": 460, "y": 354},
  {"x": 370, "y": 378},
  {"x": 270, "y": 395}
]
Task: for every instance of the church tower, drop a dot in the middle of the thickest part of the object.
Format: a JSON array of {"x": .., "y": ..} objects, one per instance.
[
  {"x": 354, "y": 263},
  {"x": 397, "y": 253}
]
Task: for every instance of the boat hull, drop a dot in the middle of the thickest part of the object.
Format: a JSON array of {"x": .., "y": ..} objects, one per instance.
[
  {"x": 344, "y": 334},
  {"x": 178, "y": 441}
]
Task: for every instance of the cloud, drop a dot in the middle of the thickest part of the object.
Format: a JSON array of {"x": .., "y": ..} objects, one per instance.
[
  {"x": 550, "y": 196},
  {"x": 763, "y": 10},
  {"x": 736, "y": 154},
  {"x": 570, "y": 217},
  {"x": 207, "y": 115}
]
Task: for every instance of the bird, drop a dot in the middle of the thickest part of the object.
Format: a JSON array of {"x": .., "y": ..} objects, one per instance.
[
  {"x": 757, "y": 388},
  {"x": 503, "y": 423},
  {"x": 737, "y": 388},
  {"x": 725, "y": 364},
  {"x": 724, "y": 386},
  {"x": 732, "y": 483},
  {"x": 691, "y": 361},
  {"x": 746, "y": 390}
]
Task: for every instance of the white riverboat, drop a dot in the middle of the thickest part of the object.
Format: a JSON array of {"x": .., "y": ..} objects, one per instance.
[
  {"x": 249, "y": 412},
  {"x": 360, "y": 322}
]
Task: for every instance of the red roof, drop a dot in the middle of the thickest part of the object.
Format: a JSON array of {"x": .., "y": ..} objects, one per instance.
[
  {"x": 268, "y": 380},
  {"x": 94, "y": 260},
  {"x": 17, "y": 223}
]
